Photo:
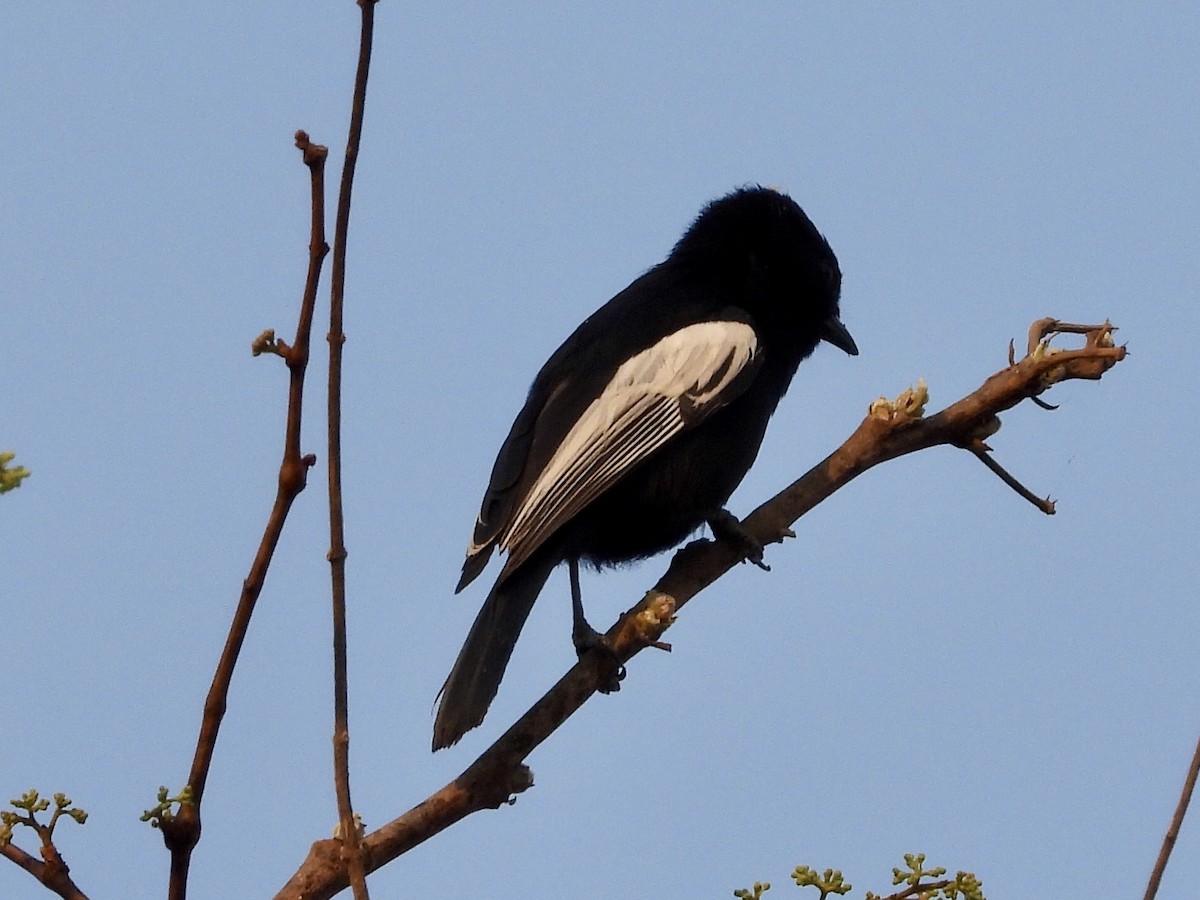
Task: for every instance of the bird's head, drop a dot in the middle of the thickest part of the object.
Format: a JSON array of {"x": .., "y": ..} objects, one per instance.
[{"x": 758, "y": 242}]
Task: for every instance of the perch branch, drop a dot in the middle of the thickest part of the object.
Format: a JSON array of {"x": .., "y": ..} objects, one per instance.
[{"x": 890, "y": 430}]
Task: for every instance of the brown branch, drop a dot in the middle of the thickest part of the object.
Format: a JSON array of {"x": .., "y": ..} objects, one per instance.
[
  {"x": 920, "y": 889},
  {"x": 890, "y": 430},
  {"x": 981, "y": 452},
  {"x": 181, "y": 832},
  {"x": 50, "y": 870},
  {"x": 1168, "y": 844},
  {"x": 348, "y": 829}
]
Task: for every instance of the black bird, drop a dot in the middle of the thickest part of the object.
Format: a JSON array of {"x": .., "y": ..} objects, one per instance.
[{"x": 641, "y": 425}]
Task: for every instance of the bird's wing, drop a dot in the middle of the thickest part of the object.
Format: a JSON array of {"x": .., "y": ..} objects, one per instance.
[{"x": 667, "y": 388}]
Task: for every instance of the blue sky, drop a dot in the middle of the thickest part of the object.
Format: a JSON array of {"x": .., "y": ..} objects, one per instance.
[{"x": 932, "y": 665}]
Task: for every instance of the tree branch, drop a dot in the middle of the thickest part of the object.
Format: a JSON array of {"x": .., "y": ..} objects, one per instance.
[
  {"x": 1168, "y": 844},
  {"x": 348, "y": 828},
  {"x": 890, "y": 430},
  {"x": 50, "y": 870},
  {"x": 181, "y": 831}
]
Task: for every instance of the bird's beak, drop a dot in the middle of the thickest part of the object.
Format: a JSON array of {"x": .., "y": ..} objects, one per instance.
[{"x": 835, "y": 332}]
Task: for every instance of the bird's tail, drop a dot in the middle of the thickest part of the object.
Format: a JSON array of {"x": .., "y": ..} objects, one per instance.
[{"x": 472, "y": 683}]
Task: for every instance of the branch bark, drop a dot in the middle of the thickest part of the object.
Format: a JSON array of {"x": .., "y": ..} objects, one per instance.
[
  {"x": 181, "y": 831},
  {"x": 348, "y": 828},
  {"x": 1168, "y": 844},
  {"x": 50, "y": 870},
  {"x": 890, "y": 430}
]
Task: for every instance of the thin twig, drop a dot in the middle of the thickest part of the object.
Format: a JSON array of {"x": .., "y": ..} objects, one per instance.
[
  {"x": 181, "y": 832},
  {"x": 337, "y": 548},
  {"x": 1043, "y": 329},
  {"x": 500, "y": 772},
  {"x": 980, "y": 452},
  {"x": 1172, "y": 834},
  {"x": 920, "y": 889}
]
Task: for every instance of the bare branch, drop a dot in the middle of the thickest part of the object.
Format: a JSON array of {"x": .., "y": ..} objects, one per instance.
[
  {"x": 348, "y": 828},
  {"x": 181, "y": 832},
  {"x": 890, "y": 430},
  {"x": 981, "y": 452},
  {"x": 1168, "y": 844}
]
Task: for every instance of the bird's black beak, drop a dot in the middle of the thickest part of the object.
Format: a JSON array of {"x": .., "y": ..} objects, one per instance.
[{"x": 835, "y": 332}]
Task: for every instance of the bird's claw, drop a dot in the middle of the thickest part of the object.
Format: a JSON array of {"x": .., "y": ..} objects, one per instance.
[
  {"x": 610, "y": 672},
  {"x": 726, "y": 527},
  {"x": 611, "y": 678}
]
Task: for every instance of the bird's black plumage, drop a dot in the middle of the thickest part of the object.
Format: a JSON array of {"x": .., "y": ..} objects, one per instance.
[{"x": 640, "y": 426}]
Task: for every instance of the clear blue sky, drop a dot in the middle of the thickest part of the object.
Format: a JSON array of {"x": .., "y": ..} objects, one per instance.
[{"x": 933, "y": 665}]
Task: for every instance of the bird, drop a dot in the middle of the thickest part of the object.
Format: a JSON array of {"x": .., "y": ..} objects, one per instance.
[{"x": 637, "y": 430}]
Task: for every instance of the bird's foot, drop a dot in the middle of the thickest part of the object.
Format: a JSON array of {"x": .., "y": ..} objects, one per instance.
[
  {"x": 588, "y": 640},
  {"x": 726, "y": 527}
]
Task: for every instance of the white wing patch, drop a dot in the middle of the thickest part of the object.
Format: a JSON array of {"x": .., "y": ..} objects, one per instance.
[{"x": 651, "y": 398}]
